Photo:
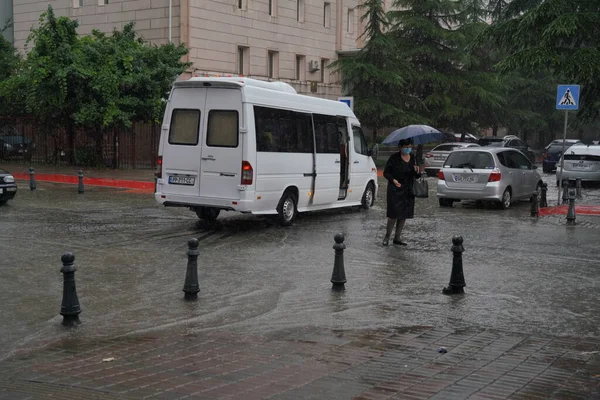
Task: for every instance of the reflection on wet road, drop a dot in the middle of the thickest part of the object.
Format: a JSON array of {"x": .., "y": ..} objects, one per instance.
[{"x": 522, "y": 274}]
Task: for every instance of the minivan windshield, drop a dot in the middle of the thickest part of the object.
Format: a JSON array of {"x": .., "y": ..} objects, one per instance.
[{"x": 470, "y": 159}]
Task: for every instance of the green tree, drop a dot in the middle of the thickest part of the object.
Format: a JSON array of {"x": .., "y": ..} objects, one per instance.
[
  {"x": 11, "y": 101},
  {"x": 558, "y": 36},
  {"x": 427, "y": 35},
  {"x": 124, "y": 79},
  {"x": 375, "y": 76}
]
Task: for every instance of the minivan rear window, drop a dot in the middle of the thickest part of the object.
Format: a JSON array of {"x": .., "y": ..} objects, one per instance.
[
  {"x": 222, "y": 128},
  {"x": 470, "y": 159},
  {"x": 185, "y": 126}
]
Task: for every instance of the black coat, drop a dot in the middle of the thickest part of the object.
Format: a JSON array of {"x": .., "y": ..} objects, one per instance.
[{"x": 400, "y": 201}]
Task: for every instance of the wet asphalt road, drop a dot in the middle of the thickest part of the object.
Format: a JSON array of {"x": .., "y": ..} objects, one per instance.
[{"x": 536, "y": 276}]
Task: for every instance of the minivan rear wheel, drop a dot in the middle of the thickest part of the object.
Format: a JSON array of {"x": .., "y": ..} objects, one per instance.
[
  {"x": 209, "y": 214},
  {"x": 287, "y": 209},
  {"x": 446, "y": 203}
]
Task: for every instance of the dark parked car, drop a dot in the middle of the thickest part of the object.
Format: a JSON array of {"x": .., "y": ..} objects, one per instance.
[
  {"x": 15, "y": 146},
  {"x": 8, "y": 187},
  {"x": 510, "y": 141},
  {"x": 553, "y": 151}
]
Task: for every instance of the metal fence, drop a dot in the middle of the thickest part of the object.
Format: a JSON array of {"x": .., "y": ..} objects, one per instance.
[{"x": 24, "y": 140}]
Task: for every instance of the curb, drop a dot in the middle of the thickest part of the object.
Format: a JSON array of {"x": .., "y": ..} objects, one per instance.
[
  {"x": 141, "y": 186},
  {"x": 562, "y": 210}
]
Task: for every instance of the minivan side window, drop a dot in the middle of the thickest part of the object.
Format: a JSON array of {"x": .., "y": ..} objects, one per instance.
[
  {"x": 283, "y": 131},
  {"x": 360, "y": 144},
  {"x": 185, "y": 127},
  {"x": 326, "y": 134},
  {"x": 223, "y": 128}
]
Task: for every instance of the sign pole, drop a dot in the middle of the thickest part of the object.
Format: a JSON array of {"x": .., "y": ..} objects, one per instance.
[
  {"x": 567, "y": 98},
  {"x": 562, "y": 158}
]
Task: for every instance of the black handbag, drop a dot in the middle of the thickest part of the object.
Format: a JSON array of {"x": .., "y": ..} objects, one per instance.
[{"x": 420, "y": 188}]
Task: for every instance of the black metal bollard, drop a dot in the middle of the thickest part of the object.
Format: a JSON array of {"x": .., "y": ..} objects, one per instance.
[
  {"x": 535, "y": 205},
  {"x": 191, "y": 286},
  {"x": 70, "y": 308},
  {"x": 578, "y": 187},
  {"x": 571, "y": 216},
  {"x": 565, "y": 193},
  {"x": 457, "y": 278},
  {"x": 338, "y": 277},
  {"x": 31, "y": 179},
  {"x": 544, "y": 199},
  {"x": 80, "y": 186}
]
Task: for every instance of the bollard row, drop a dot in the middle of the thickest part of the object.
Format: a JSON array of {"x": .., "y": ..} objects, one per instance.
[{"x": 32, "y": 185}]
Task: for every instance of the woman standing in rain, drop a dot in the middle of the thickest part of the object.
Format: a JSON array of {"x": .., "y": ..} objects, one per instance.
[{"x": 400, "y": 171}]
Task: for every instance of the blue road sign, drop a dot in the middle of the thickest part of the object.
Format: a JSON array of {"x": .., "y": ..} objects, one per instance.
[
  {"x": 349, "y": 100},
  {"x": 567, "y": 97}
]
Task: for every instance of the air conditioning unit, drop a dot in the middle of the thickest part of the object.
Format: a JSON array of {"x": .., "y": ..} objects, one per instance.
[{"x": 313, "y": 65}]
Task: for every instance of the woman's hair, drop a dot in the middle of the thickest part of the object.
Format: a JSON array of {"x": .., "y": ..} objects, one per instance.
[{"x": 405, "y": 142}]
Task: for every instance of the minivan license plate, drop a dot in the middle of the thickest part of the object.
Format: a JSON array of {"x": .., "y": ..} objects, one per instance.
[{"x": 182, "y": 180}]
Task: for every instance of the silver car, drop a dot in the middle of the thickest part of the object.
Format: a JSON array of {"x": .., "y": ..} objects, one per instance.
[
  {"x": 499, "y": 175},
  {"x": 434, "y": 159},
  {"x": 581, "y": 161}
]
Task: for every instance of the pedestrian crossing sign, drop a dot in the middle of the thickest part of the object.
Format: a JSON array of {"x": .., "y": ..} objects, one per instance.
[{"x": 567, "y": 97}]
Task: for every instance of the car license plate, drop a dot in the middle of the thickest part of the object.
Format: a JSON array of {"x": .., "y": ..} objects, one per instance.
[
  {"x": 439, "y": 158},
  {"x": 579, "y": 166},
  {"x": 1, "y": 190},
  {"x": 182, "y": 180},
  {"x": 465, "y": 178},
  {"x": 11, "y": 189}
]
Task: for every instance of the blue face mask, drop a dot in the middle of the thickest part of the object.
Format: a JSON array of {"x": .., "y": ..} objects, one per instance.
[{"x": 406, "y": 150}]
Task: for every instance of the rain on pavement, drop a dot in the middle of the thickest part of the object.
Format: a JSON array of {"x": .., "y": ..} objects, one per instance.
[{"x": 523, "y": 274}]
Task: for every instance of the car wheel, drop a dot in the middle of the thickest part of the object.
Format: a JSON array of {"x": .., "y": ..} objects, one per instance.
[
  {"x": 506, "y": 200},
  {"x": 368, "y": 197},
  {"x": 445, "y": 203},
  {"x": 547, "y": 170},
  {"x": 538, "y": 190},
  {"x": 209, "y": 214},
  {"x": 287, "y": 209}
]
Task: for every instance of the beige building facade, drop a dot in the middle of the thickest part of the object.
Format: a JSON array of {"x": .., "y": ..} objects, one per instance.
[{"x": 288, "y": 40}]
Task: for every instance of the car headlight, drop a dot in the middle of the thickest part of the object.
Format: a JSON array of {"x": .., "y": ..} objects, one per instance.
[{"x": 9, "y": 179}]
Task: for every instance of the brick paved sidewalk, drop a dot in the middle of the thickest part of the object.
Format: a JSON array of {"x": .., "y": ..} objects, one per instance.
[{"x": 311, "y": 364}]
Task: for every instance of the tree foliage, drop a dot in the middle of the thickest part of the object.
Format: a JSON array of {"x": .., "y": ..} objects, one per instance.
[
  {"x": 376, "y": 75},
  {"x": 101, "y": 81},
  {"x": 561, "y": 37}
]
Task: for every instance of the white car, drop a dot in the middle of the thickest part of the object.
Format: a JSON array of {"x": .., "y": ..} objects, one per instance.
[{"x": 580, "y": 161}]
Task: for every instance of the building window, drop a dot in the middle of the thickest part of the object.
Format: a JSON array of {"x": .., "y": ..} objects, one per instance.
[
  {"x": 77, "y": 3},
  {"x": 241, "y": 4},
  {"x": 300, "y": 11},
  {"x": 350, "y": 22},
  {"x": 273, "y": 65},
  {"x": 324, "y": 74},
  {"x": 272, "y": 6},
  {"x": 327, "y": 15},
  {"x": 243, "y": 60},
  {"x": 102, "y": 2},
  {"x": 300, "y": 68}
]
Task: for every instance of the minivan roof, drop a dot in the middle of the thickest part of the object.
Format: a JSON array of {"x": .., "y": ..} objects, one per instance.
[{"x": 273, "y": 94}]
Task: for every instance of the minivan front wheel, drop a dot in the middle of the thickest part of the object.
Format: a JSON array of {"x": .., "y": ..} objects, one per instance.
[
  {"x": 506, "y": 200},
  {"x": 368, "y": 197}
]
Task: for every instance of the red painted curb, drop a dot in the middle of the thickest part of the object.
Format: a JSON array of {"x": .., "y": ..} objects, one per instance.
[
  {"x": 562, "y": 210},
  {"x": 147, "y": 187}
]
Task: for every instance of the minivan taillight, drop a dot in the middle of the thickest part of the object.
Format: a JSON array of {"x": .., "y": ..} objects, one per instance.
[
  {"x": 441, "y": 176},
  {"x": 159, "y": 164},
  {"x": 247, "y": 173},
  {"x": 495, "y": 176}
]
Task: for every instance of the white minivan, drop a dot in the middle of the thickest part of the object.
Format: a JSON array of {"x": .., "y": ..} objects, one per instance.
[{"x": 251, "y": 146}]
